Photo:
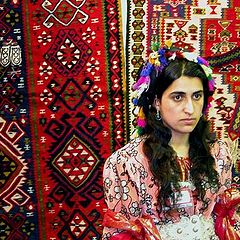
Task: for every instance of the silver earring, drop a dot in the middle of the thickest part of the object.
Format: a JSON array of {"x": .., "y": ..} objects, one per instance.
[{"x": 158, "y": 116}]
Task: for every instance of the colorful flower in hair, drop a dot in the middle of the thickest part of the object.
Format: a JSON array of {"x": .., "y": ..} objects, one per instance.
[
  {"x": 162, "y": 57},
  {"x": 211, "y": 84},
  {"x": 202, "y": 61},
  {"x": 153, "y": 58},
  {"x": 141, "y": 121}
]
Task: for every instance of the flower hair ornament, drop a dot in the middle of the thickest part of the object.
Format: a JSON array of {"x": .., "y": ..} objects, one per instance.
[{"x": 158, "y": 59}]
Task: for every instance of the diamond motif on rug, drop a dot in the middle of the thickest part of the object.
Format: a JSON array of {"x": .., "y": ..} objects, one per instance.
[
  {"x": 75, "y": 162},
  {"x": 11, "y": 167},
  {"x": 78, "y": 225},
  {"x": 64, "y": 12},
  {"x": 69, "y": 53}
]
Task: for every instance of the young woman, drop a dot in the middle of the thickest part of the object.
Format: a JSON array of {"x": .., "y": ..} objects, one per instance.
[{"x": 165, "y": 183}]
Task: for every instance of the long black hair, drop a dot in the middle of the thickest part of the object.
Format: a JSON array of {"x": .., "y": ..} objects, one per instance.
[{"x": 162, "y": 157}]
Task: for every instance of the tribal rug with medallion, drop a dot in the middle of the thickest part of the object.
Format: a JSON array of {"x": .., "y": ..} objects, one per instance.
[
  {"x": 61, "y": 115},
  {"x": 210, "y": 27}
]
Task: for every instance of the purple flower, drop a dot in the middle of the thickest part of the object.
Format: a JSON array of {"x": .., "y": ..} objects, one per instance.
[
  {"x": 211, "y": 84},
  {"x": 202, "y": 61},
  {"x": 146, "y": 70},
  {"x": 162, "y": 57}
]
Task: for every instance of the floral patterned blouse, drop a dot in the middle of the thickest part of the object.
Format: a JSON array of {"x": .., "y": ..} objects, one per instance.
[{"x": 130, "y": 188}]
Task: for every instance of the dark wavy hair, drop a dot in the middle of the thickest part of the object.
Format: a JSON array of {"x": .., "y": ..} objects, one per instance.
[{"x": 162, "y": 157}]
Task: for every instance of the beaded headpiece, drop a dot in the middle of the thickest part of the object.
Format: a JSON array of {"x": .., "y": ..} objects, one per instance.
[{"x": 158, "y": 60}]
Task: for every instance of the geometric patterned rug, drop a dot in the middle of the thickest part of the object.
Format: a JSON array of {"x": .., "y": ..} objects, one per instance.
[
  {"x": 61, "y": 115},
  {"x": 211, "y": 28},
  {"x": 65, "y": 105}
]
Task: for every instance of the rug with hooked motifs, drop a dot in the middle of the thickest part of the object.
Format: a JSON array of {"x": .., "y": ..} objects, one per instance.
[
  {"x": 62, "y": 81},
  {"x": 212, "y": 29}
]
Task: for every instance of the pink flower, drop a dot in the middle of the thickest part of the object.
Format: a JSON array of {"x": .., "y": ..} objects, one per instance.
[
  {"x": 141, "y": 123},
  {"x": 141, "y": 80},
  {"x": 211, "y": 84}
]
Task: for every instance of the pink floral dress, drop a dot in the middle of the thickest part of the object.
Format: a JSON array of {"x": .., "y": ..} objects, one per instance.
[{"x": 130, "y": 190}]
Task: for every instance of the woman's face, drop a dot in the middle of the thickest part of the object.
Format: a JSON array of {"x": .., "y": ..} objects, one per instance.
[{"x": 181, "y": 105}]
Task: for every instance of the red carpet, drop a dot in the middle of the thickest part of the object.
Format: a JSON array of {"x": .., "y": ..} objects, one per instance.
[{"x": 62, "y": 100}]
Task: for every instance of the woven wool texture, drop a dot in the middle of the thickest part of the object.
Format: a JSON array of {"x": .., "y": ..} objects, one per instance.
[
  {"x": 65, "y": 103},
  {"x": 61, "y": 115}
]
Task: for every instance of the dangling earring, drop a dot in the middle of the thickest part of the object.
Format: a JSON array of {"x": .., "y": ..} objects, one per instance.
[
  {"x": 156, "y": 102},
  {"x": 158, "y": 116}
]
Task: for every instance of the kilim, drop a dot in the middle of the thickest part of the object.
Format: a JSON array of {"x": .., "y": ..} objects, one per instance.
[
  {"x": 211, "y": 28},
  {"x": 62, "y": 114}
]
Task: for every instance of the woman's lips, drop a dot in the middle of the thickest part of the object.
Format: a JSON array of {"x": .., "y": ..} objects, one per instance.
[{"x": 188, "y": 121}]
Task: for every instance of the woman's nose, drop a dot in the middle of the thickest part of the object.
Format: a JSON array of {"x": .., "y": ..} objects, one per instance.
[{"x": 189, "y": 108}]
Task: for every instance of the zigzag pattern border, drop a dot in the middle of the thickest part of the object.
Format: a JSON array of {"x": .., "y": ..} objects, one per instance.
[{"x": 219, "y": 60}]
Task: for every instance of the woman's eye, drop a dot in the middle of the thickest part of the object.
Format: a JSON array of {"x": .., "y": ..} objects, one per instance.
[
  {"x": 197, "y": 96},
  {"x": 177, "y": 97}
]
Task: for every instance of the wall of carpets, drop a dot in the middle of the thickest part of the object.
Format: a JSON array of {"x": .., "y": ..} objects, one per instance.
[
  {"x": 209, "y": 27},
  {"x": 61, "y": 115},
  {"x": 65, "y": 104}
]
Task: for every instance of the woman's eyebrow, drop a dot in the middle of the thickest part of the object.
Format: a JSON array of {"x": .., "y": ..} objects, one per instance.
[
  {"x": 177, "y": 92},
  {"x": 181, "y": 92},
  {"x": 200, "y": 91}
]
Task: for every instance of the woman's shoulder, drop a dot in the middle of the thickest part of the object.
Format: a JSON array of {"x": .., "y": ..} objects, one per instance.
[
  {"x": 220, "y": 148},
  {"x": 223, "y": 159},
  {"x": 128, "y": 154},
  {"x": 133, "y": 147}
]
